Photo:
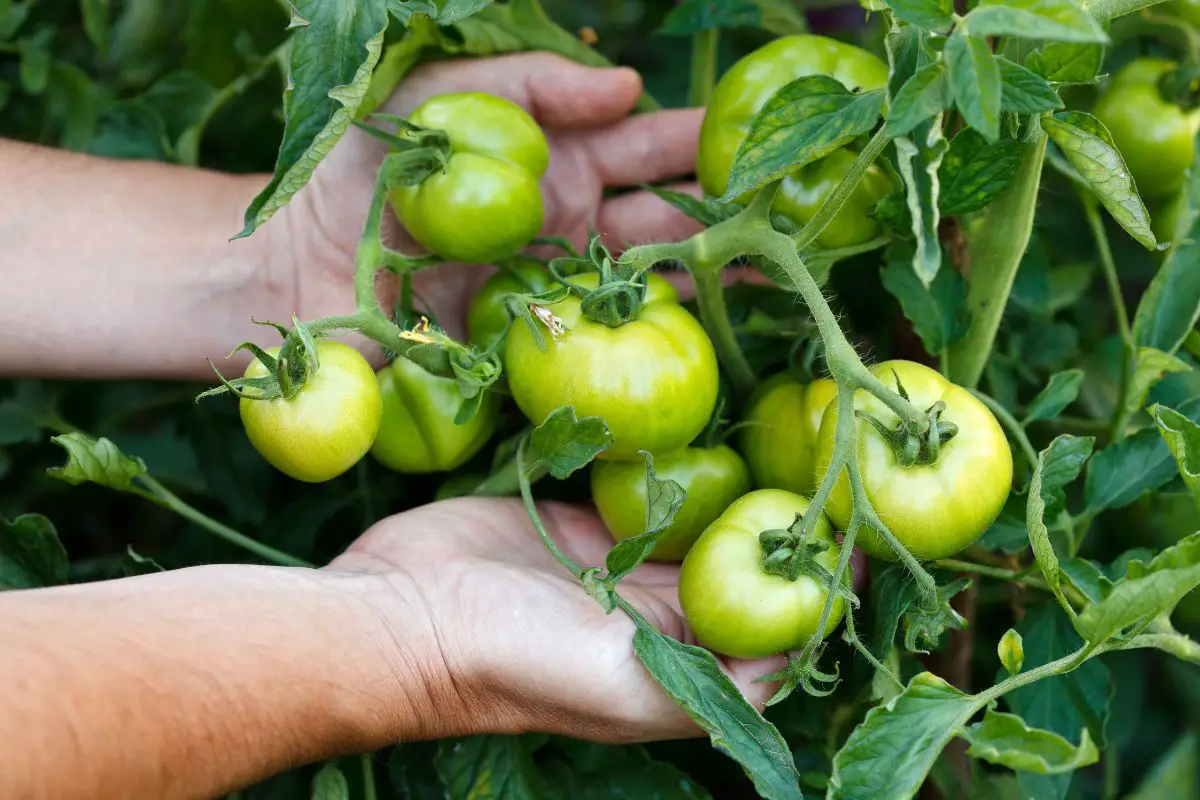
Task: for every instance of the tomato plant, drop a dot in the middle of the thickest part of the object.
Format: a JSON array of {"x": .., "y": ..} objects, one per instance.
[{"x": 975, "y": 226}]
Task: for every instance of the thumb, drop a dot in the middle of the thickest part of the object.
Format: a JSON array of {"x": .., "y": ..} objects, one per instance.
[{"x": 559, "y": 93}]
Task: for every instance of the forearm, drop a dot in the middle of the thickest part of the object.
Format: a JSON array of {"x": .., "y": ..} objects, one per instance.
[
  {"x": 125, "y": 269},
  {"x": 195, "y": 682}
]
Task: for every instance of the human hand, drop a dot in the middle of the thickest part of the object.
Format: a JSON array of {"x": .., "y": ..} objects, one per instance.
[
  {"x": 518, "y": 645},
  {"x": 594, "y": 146}
]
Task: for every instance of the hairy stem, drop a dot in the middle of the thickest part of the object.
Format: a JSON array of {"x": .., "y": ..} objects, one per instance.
[
  {"x": 829, "y": 209},
  {"x": 710, "y": 299},
  {"x": 531, "y": 509}
]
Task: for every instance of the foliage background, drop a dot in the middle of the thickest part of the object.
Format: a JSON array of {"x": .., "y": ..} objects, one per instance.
[{"x": 193, "y": 83}]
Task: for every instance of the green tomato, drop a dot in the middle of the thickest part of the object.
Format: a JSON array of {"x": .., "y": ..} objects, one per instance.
[
  {"x": 780, "y": 441},
  {"x": 934, "y": 510},
  {"x": 486, "y": 204},
  {"x": 735, "y": 607},
  {"x": 653, "y": 380},
  {"x": 713, "y": 477},
  {"x": 418, "y": 433},
  {"x": 487, "y": 318},
  {"x": 1186, "y": 10},
  {"x": 1155, "y": 136},
  {"x": 327, "y": 426},
  {"x": 745, "y": 89}
]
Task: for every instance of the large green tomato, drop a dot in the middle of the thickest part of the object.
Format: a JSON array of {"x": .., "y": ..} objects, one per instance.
[
  {"x": 1155, "y": 136},
  {"x": 745, "y": 89},
  {"x": 653, "y": 380},
  {"x": 735, "y": 607},
  {"x": 934, "y": 510},
  {"x": 418, "y": 433},
  {"x": 487, "y": 318},
  {"x": 780, "y": 441},
  {"x": 327, "y": 426},
  {"x": 486, "y": 205},
  {"x": 713, "y": 477}
]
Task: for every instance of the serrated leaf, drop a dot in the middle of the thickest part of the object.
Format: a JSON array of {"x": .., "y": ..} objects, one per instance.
[
  {"x": 1055, "y": 396},
  {"x": 31, "y": 554},
  {"x": 1055, "y": 20},
  {"x": 1006, "y": 740},
  {"x": 330, "y": 784},
  {"x": 690, "y": 16},
  {"x": 1058, "y": 465},
  {"x": 1146, "y": 591},
  {"x": 806, "y": 119},
  {"x": 664, "y": 498},
  {"x": 932, "y": 15},
  {"x": 694, "y": 680},
  {"x": 1089, "y": 148},
  {"x": 1182, "y": 436},
  {"x": 936, "y": 311},
  {"x": 564, "y": 444},
  {"x": 98, "y": 461},
  {"x": 1067, "y": 62},
  {"x": 1008, "y": 533},
  {"x": 1150, "y": 366},
  {"x": 922, "y": 97},
  {"x": 489, "y": 767},
  {"x": 1025, "y": 92},
  {"x": 1125, "y": 470},
  {"x": 974, "y": 173},
  {"x": 333, "y": 49},
  {"x": 1085, "y": 576},
  {"x": 918, "y": 159},
  {"x": 975, "y": 80},
  {"x": 1064, "y": 459},
  {"x": 708, "y": 211},
  {"x": 907, "y": 735}
]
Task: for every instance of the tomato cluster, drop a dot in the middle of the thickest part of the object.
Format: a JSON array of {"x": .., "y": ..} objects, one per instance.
[{"x": 621, "y": 347}]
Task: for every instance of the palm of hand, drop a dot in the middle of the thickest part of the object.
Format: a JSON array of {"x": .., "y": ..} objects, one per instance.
[
  {"x": 515, "y": 628},
  {"x": 594, "y": 145}
]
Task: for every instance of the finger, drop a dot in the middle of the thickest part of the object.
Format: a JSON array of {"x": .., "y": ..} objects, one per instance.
[
  {"x": 646, "y": 148},
  {"x": 745, "y": 675},
  {"x": 557, "y": 92},
  {"x": 639, "y": 217},
  {"x": 578, "y": 531}
]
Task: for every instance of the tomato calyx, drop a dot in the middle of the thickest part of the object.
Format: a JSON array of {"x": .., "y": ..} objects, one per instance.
[
  {"x": 915, "y": 448},
  {"x": 802, "y": 672},
  {"x": 789, "y": 554},
  {"x": 287, "y": 371},
  {"x": 417, "y": 152},
  {"x": 619, "y": 292}
]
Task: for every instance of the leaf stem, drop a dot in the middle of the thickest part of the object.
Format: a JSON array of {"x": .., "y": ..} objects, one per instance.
[
  {"x": 531, "y": 509},
  {"x": 368, "y": 777},
  {"x": 161, "y": 495},
  {"x": 704, "y": 66},
  {"x": 710, "y": 300},
  {"x": 833, "y": 204},
  {"x": 992, "y": 572}
]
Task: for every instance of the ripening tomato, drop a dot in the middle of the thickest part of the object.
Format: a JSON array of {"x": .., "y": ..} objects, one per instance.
[
  {"x": 936, "y": 509},
  {"x": 487, "y": 318},
  {"x": 780, "y": 441},
  {"x": 327, "y": 426}
]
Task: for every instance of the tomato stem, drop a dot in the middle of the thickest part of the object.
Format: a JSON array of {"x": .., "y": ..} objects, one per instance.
[{"x": 704, "y": 66}]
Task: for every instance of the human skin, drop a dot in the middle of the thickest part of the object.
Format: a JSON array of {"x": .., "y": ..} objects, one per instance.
[
  {"x": 447, "y": 620},
  {"x": 125, "y": 269}
]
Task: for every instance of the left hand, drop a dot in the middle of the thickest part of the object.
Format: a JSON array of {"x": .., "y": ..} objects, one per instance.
[{"x": 520, "y": 646}]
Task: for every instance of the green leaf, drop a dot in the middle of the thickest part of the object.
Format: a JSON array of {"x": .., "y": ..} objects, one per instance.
[
  {"x": 781, "y": 17},
  {"x": 974, "y": 172},
  {"x": 134, "y": 564},
  {"x": 1063, "y": 460},
  {"x": 1008, "y": 533},
  {"x": 95, "y": 14},
  {"x": 31, "y": 554},
  {"x": 892, "y": 750},
  {"x": 1025, "y": 92},
  {"x": 693, "y": 679},
  {"x": 330, "y": 784},
  {"x": 1055, "y": 20},
  {"x": 664, "y": 498},
  {"x": 1176, "y": 774},
  {"x": 700, "y": 15},
  {"x": 932, "y": 15},
  {"x": 1085, "y": 576},
  {"x": 1146, "y": 591},
  {"x": 488, "y": 768},
  {"x": 919, "y": 158},
  {"x": 1054, "y": 398},
  {"x": 1125, "y": 470},
  {"x": 1182, "y": 436},
  {"x": 922, "y": 97},
  {"x": 564, "y": 444},
  {"x": 1089, "y": 148},
  {"x": 1061, "y": 703},
  {"x": 592, "y": 771},
  {"x": 1149, "y": 368},
  {"x": 1058, "y": 465},
  {"x": 1067, "y": 62},
  {"x": 334, "y": 47},
  {"x": 975, "y": 80},
  {"x": 1006, "y": 740},
  {"x": 806, "y": 119},
  {"x": 936, "y": 311},
  {"x": 98, "y": 461}
]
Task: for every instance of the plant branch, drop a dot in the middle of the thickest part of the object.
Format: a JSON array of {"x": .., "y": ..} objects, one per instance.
[
  {"x": 833, "y": 204},
  {"x": 531, "y": 509},
  {"x": 704, "y": 66}
]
